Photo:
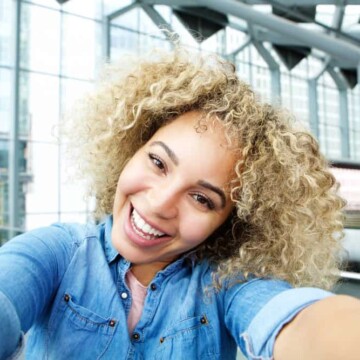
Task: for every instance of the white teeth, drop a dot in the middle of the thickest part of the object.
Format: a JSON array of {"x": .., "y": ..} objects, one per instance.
[{"x": 147, "y": 231}]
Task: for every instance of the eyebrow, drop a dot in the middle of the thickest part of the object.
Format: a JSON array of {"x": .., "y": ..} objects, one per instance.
[
  {"x": 215, "y": 189},
  {"x": 168, "y": 151}
]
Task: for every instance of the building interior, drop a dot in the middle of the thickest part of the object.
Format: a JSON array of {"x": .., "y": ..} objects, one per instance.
[{"x": 300, "y": 54}]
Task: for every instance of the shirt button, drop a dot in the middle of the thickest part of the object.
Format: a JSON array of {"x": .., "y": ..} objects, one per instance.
[
  {"x": 203, "y": 320},
  {"x": 153, "y": 287},
  {"x": 124, "y": 295},
  {"x": 66, "y": 298},
  {"x": 112, "y": 323},
  {"x": 136, "y": 336}
]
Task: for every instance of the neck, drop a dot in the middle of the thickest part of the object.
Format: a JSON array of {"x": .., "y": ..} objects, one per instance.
[{"x": 144, "y": 273}]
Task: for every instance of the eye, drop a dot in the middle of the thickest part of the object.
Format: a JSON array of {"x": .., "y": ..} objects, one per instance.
[
  {"x": 157, "y": 161},
  {"x": 204, "y": 201}
]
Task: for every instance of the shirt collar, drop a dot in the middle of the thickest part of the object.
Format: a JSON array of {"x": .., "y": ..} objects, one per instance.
[{"x": 110, "y": 252}]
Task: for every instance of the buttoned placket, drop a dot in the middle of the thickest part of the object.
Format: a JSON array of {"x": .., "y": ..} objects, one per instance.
[
  {"x": 122, "y": 288},
  {"x": 153, "y": 296}
]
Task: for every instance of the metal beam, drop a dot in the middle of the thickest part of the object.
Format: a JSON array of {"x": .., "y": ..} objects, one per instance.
[
  {"x": 14, "y": 182},
  {"x": 313, "y": 107},
  {"x": 308, "y": 20},
  {"x": 274, "y": 70},
  {"x": 122, "y": 11},
  {"x": 341, "y": 84},
  {"x": 107, "y": 26},
  {"x": 344, "y": 124},
  {"x": 173, "y": 3},
  {"x": 338, "y": 16},
  {"x": 244, "y": 45},
  {"x": 277, "y": 38},
  {"x": 304, "y": 2},
  {"x": 106, "y": 34},
  {"x": 160, "y": 22},
  {"x": 334, "y": 47}
]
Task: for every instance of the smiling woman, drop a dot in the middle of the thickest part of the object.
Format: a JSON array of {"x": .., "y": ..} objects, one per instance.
[
  {"x": 216, "y": 211},
  {"x": 179, "y": 194}
]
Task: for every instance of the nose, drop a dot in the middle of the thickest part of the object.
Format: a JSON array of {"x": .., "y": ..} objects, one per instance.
[{"x": 164, "y": 202}]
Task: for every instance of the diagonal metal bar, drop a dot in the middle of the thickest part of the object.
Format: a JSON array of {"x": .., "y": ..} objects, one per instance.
[
  {"x": 304, "y": 18},
  {"x": 160, "y": 22},
  {"x": 122, "y": 11},
  {"x": 304, "y": 2},
  {"x": 334, "y": 47},
  {"x": 238, "y": 50},
  {"x": 339, "y": 16}
]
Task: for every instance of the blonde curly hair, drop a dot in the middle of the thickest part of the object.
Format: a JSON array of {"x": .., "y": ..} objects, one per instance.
[{"x": 287, "y": 220}]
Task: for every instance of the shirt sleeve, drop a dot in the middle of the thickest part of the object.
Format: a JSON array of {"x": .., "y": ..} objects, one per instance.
[
  {"x": 258, "y": 309},
  {"x": 31, "y": 268}
]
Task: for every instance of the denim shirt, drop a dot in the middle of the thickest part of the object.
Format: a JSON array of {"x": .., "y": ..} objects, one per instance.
[{"x": 66, "y": 285}]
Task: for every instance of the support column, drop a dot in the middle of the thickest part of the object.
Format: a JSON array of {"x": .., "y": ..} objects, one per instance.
[
  {"x": 313, "y": 107},
  {"x": 274, "y": 70},
  {"x": 107, "y": 27},
  {"x": 14, "y": 182},
  {"x": 342, "y": 87},
  {"x": 161, "y": 23},
  {"x": 344, "y": 124}
]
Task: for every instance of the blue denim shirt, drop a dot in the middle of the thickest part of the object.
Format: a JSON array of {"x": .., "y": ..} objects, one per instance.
[{"x": 66, "y": 284}]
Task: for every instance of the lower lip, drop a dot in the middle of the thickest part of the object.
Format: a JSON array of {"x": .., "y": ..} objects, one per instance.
[{"x": 137, "y": 239}]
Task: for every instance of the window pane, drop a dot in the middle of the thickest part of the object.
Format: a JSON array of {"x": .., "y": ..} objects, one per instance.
[
  {"x": 5, "y": 100},
  {"x": 39, "y": 106},
  {"x": 6, "y": 30},
  {"x": 42, "y": 192},
  {"x": 71, "y": 91},
  {"x": 92, "y": 9},
  {"x": 81, "y": 47},
  {"x": 48, "y": 3},
  {"x": 34, "y": 221},
  {"x": 40, "y": 35}
]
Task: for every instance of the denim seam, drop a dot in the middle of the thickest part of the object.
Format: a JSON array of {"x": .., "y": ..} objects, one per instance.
[
  {"x": 19, "y": 352},
  {"x": 249, "y": 348}
]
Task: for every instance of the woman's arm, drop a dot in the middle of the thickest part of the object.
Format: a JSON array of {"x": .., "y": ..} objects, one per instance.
[
  {"x": 328, "y": 329},
  {"x": 31, "y": 268}
]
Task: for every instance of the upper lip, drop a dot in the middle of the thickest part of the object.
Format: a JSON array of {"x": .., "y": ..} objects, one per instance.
[{"x": 148, "y": 221}]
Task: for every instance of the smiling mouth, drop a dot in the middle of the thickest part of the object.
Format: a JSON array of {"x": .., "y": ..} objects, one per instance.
[{"x": 143, "y": 229}]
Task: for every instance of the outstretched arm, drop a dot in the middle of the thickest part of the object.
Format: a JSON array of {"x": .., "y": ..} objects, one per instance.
[
  {"x": 328, "y": 329},
  {"x": 31, "y": 267}
]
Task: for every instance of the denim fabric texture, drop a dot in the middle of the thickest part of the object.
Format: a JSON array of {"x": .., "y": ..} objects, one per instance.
[{"x": 65, "y": 284}]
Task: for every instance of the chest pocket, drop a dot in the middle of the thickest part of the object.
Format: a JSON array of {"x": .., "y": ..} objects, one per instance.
[
  {"x": 80, "y": 332},
  {"x": 191, "y": 338}
]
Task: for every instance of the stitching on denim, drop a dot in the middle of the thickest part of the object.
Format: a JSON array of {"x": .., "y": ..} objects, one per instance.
[
  {"x": 249, "y": 349},
  {"x": 85, "y": 319}
]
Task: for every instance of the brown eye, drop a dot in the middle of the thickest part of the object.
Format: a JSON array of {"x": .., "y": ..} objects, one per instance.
[
  {"x": 204, "y": 201},
  {"x": 157, "y": 161}
]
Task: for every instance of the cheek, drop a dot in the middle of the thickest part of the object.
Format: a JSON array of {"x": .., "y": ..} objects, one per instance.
[
  {"x": 130, "y": 178},
  {"x": 127, "y": 184},
  {"x": 195, "y": 230}
]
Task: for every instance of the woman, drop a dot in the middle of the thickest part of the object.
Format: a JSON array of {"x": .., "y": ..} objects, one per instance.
[{"x": 217, "y": 211}]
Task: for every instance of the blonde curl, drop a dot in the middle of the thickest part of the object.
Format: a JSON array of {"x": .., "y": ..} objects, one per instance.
[{"x": 287, "y": 220}]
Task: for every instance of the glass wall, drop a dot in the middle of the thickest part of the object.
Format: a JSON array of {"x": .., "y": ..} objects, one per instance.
[{"x": 62, "y": 48}]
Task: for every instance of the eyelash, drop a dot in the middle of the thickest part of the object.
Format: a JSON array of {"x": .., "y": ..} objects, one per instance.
[
  {"x": 208, "y": 202},
  {"x": 157, "y": 161}
]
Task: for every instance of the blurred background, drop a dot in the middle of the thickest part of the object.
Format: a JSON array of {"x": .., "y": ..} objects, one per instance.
[{"x": 302, "y": 54}]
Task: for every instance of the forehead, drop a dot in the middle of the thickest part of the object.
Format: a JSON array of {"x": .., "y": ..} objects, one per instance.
[
  {"x": 193, "y": 126},
  {"x": 199, "y": 142}
]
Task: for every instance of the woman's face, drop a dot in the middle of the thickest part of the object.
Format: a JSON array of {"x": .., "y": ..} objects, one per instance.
[{"x": 171, "y": 196}]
